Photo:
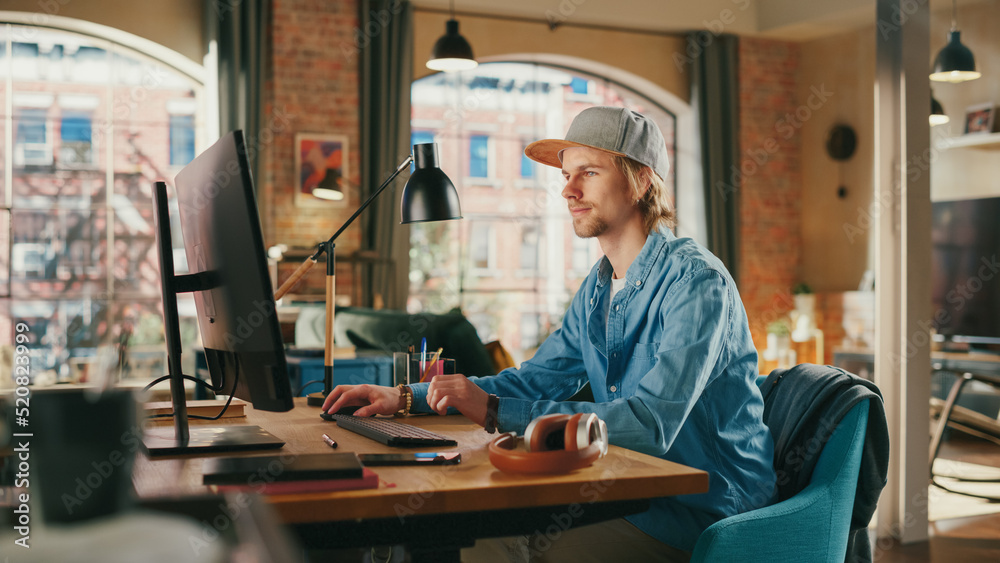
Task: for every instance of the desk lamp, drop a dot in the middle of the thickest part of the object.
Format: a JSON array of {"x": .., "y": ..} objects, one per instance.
[{"x": 427, "y": 196}]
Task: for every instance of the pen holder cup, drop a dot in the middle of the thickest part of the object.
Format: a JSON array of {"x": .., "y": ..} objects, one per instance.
[
  {"x": 406, "y": 368},
  {"x": 443, "y": 365}
]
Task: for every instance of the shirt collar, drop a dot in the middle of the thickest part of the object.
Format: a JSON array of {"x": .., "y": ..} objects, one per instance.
[{"x": 643, "y": 263}]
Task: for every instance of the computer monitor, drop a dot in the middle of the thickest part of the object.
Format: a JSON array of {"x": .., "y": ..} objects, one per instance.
[
  {"x": 965, "y": 289},
  {"x": 233, "y": 297}
]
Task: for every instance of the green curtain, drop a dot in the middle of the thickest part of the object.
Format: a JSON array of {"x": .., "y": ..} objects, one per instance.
[
  {"x": 385, "y": 44},
  {"x": 715, "y": 91},
  {"x": 240, "y": 31}
]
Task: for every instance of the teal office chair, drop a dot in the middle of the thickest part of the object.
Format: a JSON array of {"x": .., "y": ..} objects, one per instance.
[{"x": 812, "y": 525}]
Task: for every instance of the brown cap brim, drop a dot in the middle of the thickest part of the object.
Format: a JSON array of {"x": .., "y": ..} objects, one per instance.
[{"x": 547, "y": 151}]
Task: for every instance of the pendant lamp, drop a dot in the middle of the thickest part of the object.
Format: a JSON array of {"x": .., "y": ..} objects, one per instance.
[
  {"x": 954, "y": 63},
  {"x": 452, "y": 52},
  {"x": 938, "y": 116}
]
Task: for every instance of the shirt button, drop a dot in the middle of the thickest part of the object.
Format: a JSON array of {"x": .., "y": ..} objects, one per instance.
[
  {"x": 617, "y": 307},
  {"x": 591, "y": 300},
  {"x": 638, "y": 282},
  {"x": 613, "y": 389}
]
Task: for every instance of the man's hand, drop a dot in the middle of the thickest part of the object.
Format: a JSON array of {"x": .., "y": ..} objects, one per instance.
[
  {"x": 373, "y": 399},
  {"x": 455, "y": 390}
]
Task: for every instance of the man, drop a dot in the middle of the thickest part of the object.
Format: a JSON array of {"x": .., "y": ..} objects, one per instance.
[{"x": 659, "y": 332}]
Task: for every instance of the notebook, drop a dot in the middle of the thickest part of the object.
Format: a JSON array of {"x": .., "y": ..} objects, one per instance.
[{"x": 257, "y": 471}]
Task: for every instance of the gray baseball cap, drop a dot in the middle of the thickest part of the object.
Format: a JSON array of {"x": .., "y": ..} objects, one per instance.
[{"x": 615, "y": 130}]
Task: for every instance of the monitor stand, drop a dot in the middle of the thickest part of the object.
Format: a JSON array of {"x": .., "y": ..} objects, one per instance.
[
  {"x": 209, "y": 439},
  {"x": 182, "y": 439}
]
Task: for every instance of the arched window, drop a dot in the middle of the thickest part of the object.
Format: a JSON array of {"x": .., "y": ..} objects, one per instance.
[
  {"x": 88, "y": 124},
  {"x": 513, "y": 263}
]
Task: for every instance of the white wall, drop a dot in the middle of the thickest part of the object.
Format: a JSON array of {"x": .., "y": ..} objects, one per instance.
[{"x": 175, "y": 24}]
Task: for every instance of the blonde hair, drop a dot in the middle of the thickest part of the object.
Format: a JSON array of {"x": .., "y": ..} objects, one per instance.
[{"x": 655, "y": 206}]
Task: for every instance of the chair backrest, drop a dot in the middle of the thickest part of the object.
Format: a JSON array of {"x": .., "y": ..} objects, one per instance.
[
  {"x": 840, "y": 461},
  {"x": 846, "y": 440},
  {"x": 812, "y": 525}
]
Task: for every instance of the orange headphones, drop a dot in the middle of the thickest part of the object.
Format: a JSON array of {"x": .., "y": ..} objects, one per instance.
[{"x": 553, "y": 443}]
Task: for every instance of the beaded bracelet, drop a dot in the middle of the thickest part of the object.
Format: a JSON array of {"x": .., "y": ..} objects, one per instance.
[{"x": 405, "y": 391}]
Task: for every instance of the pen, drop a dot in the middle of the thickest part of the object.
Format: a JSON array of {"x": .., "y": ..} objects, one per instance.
[
  {"x": 329, "y": 441},
  {"x": 423, "y": 354}
]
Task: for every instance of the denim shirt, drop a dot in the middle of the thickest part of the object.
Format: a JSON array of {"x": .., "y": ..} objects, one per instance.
[{"x": 673, "y": 371}]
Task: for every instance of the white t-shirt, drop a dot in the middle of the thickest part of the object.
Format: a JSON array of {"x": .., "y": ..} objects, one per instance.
[{"x": 616, "y": 286}]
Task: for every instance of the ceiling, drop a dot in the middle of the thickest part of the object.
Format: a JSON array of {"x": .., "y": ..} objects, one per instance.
[{"x": 794, "y": 20}]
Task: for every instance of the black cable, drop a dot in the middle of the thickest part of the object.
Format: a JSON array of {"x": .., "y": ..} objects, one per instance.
[
  {"x": 201, "y": 382},
  {"x": 298, "y": 393},
  {"x": 225, "y": 407}
]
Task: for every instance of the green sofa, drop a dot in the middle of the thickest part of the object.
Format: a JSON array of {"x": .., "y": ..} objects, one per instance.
[{"x": 395, "y": 331}]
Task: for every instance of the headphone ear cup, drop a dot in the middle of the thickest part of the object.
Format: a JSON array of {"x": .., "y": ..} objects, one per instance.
[
  {"x": 538, "y": 434},
  {"x": 575, "y": 436},
  {"x": 602, "y": 436},
  {"x": 584, "y": 429}
]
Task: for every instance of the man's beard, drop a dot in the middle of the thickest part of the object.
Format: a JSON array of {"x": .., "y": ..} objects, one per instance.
[{"x": 589, "y": 227}]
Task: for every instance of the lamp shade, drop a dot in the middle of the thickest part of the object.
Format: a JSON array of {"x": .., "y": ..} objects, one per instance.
[
  {"x": 954, "y": 63},
  {"x": 451, "y": 52},
  {"x": 938, "y": 116},
  {"x": 329, "y": 188},
  {"x": 429, "y": 194}
]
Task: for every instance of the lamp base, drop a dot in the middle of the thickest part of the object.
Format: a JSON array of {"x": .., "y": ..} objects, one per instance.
[{"x": 316, "y": 399}]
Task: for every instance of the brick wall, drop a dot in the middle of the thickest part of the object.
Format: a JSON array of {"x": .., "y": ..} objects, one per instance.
[
  {"x": 312, "y": 88},
  {"x": 770, "y": 207}
]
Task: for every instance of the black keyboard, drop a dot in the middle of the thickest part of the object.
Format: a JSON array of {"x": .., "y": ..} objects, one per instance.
[{"x": 389, "y": 432}]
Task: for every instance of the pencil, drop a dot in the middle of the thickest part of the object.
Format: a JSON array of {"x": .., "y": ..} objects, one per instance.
[{"x": 430, "y": 365}]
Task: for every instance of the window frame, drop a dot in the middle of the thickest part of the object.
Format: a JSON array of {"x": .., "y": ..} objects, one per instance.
[
  {"x": 91, "y": 147},
  {"x": 490, "y": 179},
  {"x": 63, "y": 282},
  {"x": 19, "y": 147},
  {"x": 490, "y": 270}
]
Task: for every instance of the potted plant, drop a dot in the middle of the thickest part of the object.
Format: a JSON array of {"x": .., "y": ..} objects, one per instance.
[
  {"x": 778, "y": 342},
  {"x": 804, "y": 315}
]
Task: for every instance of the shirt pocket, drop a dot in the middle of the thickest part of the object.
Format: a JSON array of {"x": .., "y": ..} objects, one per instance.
[{"x": 643, "y": 357}]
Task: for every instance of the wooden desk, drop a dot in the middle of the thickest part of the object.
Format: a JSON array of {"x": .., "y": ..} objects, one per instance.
[{"x": 442, "y": 507}]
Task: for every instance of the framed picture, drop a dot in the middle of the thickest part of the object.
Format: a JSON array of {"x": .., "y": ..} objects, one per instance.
[
  {"x": 979, "y": 118},
  {"x": 320, "y": 161}
]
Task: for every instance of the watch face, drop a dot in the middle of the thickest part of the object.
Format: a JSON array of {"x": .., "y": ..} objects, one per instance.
[{"x": 841, "y": 142}]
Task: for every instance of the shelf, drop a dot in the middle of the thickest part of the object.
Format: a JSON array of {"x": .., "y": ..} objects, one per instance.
[{"x": 981, "y": 141}]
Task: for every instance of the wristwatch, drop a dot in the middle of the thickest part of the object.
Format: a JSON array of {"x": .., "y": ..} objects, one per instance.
[{"x": 492, "y": 406}]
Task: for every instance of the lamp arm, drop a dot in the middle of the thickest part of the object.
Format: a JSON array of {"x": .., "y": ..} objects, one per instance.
[
  {"x": 306, "y": 265},
  {"x": 309, "y": 262}
]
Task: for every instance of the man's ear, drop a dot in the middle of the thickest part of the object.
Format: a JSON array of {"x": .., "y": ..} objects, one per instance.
[{"x": 646, "y": 174}]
